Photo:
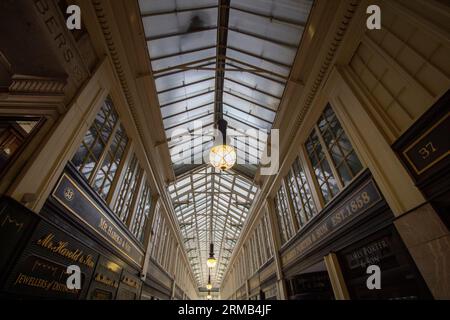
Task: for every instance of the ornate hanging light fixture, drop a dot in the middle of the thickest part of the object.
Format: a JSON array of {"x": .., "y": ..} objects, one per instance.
[
  {"x": 209, "y": 284},
  {"x": 222, "y": 156},
  {"x": 212, "y": 261}
]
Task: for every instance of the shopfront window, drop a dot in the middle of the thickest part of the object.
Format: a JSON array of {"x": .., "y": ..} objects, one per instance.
[
  {"x": 267, "y": 236},
  {"x": 142, "y": 213},
  {"x": 339, "y": 147},
  {"x": 300, "y": 192},
  {"x": 123, "y": 205},
  {"x": 333, "y": 159},
  {"x": 101, "y": 151},
  {"x": 156, "y": 226},
  {"x": 284, "y": 217}
]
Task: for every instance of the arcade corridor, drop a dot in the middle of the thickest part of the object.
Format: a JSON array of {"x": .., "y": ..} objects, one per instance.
[{"x": 225, "y": 149}]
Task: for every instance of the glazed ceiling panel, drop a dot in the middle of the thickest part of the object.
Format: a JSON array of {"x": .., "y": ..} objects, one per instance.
[
  {"x": 211, "y": 207},
  {"x": 227, "y": 59}
]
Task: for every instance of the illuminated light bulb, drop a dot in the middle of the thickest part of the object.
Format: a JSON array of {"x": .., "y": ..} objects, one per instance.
[
  {"x": 222, "y": 157},
  {"x": 211, "y": 262}
]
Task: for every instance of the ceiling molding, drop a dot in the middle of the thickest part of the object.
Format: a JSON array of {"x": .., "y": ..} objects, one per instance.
[{"x": 25, "y": 84}]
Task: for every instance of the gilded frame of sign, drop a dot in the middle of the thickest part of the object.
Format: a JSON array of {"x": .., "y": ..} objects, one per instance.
[
  {"x": 411, "y": 163},
  {"x": 101, "y": 213}
]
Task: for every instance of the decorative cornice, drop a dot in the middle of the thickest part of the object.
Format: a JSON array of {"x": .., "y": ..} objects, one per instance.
[
  {"x": 24, "y": 84},
  {"x": 101, "y": 16},
  {"x": 327, "y": 62}
]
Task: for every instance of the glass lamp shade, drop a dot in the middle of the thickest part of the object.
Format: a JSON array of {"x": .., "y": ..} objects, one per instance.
[
  {"x": 208, "y": 297},
  {"x": 209, "y": 286},
  {"x": 222, "y": 157},
  {"x": 211, "y": 262}
]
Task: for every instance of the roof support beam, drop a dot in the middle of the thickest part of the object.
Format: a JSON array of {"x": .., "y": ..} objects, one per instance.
[
  {"x": 253, "y": 88},
  {"x": 181, "y": 53},
  {"x": 187, "y": 98},
  {"x": 255, "y": 72},
  {"x": 153, "y": 14},
  {"x": 187, "y": 110},
  {"x": 183, "y": 66},
  {"x": 190, "y": 132},
  {"x": 185, "y": 85},
  {"x": 222, "y": 39},
  {"x": 250, "y": 114},
  {"x": 250, "y": 101},
  {"x": 258, "y": 69},
  {"x": 296, "y": 24},
  {"x": 185, "y": 122},
  {"x": 200, "y": 67},
  {"x": 278, "y": 63},
  {"x": 175, "y": 34},
  {"x": 255, "y": 35}
]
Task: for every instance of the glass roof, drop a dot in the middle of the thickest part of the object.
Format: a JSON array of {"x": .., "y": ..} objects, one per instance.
[
  {"x": 214, "y": 59},
  {"x": 211, "y": 207}
]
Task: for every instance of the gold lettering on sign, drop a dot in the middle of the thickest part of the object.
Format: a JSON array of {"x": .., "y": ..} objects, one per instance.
[
  {"x": 113, "y": 234},
  {"x": 61, "y": 248},
  {"x": 361, "y": 200},
  {"x": 105, "y": 280},
  {"x": 130, "y": 282},
  {"x": 44, "y": 266},
  {"x": 30, "y": 281},
  {"x": 427, "y": 150}
]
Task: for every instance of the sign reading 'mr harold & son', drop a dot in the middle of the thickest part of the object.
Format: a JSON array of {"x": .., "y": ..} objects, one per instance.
[
  {"x": 75, "y": 200},
  {"x": 41, "y": 270}
]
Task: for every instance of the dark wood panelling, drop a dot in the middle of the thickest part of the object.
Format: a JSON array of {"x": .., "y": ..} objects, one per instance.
[
  {"x": 81, "y": 204},
  {"x": 16, "y": 225},
  {"x": 40, "y": 271}
]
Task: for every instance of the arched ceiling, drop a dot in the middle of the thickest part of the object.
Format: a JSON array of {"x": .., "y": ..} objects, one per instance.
[{"x": 214, "y": 59}]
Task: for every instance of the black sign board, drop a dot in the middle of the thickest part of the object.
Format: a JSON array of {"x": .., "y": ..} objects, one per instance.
[
  {"x": 41, "y": 270},
  {"x": 76, "y": 201},
  {"x": 310, "y": 286},
  {"x": 16, "y": 223},
  {"x": 425, "y": 147},
  {"x": 399, "y": 277},
  {"x": 430, "y": 148},
  {"x": 370, "y": 254},
  {"x": 354, "y": 205},
  {"x": 106, "y": 280}
]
